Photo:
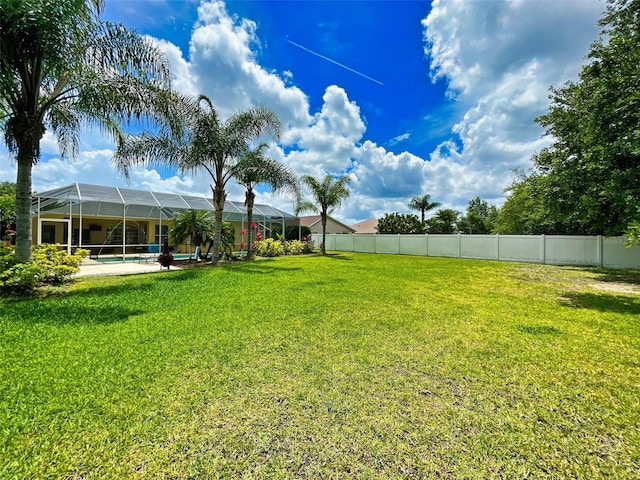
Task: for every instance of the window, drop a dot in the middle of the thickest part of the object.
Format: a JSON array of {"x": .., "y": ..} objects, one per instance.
[
  {"x": 161, "y": 234},
  {"x": 48, "y": 233},
  {"x": 114, "y": 235}
]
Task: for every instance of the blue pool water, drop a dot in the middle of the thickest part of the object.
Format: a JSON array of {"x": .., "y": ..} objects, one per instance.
[{"x": 138, "y": 258}]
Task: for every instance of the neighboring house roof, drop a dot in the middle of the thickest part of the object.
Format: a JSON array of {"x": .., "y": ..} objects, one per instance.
[
  {"x": 366, "y": 226},
  {"x": 316, "y": 221},
  {"x": 309, "y": 220},
  {"x": 97, "y": 200}
]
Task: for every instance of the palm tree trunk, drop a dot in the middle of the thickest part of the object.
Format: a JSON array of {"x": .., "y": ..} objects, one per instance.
[
  {"x": 218, "y": 203},
  {"x": 250, "y": 197},
  {"x": 24, "y": 239},
  {"x": 323, "y": 250}
]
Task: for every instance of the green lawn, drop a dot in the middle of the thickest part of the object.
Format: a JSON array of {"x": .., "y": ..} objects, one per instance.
[{"x": 345, "y": 366}]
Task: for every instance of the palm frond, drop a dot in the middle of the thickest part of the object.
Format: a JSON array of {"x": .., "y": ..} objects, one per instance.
[{"x": 148, "y": 149}]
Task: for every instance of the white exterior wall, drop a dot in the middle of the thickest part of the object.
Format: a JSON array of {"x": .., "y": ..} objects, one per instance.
[{"x": 608, "y": 252}]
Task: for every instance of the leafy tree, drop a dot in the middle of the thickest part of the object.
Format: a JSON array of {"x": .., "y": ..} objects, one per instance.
[
  {"x": 480, "y": 217},
  {"x": 61, "y": 68},
  {"x": 592, "y": 169},
  {"x": 206, "y": 142},
  {"x": 525, "y": 211},
  {"x": 400, "y": 223},
  {"x": 633, "y": 234},
  {"x": 326, "y": 194},
  {"x": 444, "y": 221},
  {"x": 198, "y": 226},
  {"x": 255, "y": 168},
  {"x": 7, "y": 207},
  {"x": 423, "y": 204}
]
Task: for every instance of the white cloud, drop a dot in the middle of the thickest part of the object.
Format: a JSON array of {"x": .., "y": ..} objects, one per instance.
[
  {"x": 399, "y": 138},
  {"x": 499, "y": 59},
  {"x": 224, "y": 67}
]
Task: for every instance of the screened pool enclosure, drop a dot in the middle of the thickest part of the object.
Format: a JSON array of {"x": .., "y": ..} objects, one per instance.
[{"x": 121, "y": 221}]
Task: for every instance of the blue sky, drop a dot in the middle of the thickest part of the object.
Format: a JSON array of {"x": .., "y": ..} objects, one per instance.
[{"x": 407, "y": 97}]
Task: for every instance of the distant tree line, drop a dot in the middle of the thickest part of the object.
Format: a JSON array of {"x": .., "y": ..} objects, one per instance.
[{"x": 479, "y": 218}]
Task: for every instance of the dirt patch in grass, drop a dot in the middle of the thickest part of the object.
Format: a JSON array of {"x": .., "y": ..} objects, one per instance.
[{"x": 617, "y": 287}]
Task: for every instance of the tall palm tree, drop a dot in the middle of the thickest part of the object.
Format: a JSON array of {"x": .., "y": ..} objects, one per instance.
[
  {"x": 62, "y": 68},
  {"x": 326, "y": 194},
  {"x": 206, "y": 142},
  {"x": 423, "y": 203},
  {"x": 197, "y": 226},
  {"x": 255, "y": 168}
]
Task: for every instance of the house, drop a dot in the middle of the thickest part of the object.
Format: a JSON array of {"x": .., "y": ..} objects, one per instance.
[
  {"x": 366, "y": 226},
  {"x": 108, "y": 220},
  {"x": 314, "y": 223}
]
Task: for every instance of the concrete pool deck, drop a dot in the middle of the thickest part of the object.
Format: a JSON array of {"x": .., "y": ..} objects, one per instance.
[{"x": 93, "y": 268}]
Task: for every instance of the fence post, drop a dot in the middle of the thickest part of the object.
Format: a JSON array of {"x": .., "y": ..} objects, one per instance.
[
  {"x": 498, "y": 246},
  {"x": 426, "y": 236},
  {"x": 544, "y": 249},
  {"x": 459, "y": 245},
  {"x": 599, "y": 252}
]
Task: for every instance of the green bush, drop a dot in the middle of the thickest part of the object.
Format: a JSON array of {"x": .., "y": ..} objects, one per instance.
[
  {"x": 296, "y": 247},
  {"x": 268, "y": 248},
  {"x": 276, "y": 248},
  {"x": 50, "y": 265}
]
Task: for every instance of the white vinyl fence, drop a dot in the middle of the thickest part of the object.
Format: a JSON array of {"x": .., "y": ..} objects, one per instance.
[{"x": 597, "y": 251}]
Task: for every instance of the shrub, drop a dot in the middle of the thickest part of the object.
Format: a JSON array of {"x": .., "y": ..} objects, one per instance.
[
  {"x": 308, "y": 244},
  {"x": 268, "y": 248},
  {"x": 49, "y": 265},
  {"x": 296, "y": 247}
]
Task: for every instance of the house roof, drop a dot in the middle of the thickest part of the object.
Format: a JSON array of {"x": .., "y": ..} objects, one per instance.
[
  {"x": 366, "y": 226},
  {"x": 311, "y": 220},
  {"x": 97, "y": 200}
]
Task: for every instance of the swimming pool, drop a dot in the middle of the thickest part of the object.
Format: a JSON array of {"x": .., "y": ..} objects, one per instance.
[{"x": 140, "y": 258}]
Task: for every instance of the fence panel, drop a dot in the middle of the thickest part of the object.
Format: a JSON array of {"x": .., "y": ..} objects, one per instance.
[
  {"x": 364, "y": 243},
  {"x": 479, "y": 246},
  {"x": 342, "y": 242},
  {"x": 572, "y": 250},
  {"x": 560, "y": 250},
  {"x": 330, "y": 242},
  {"x": 443, "y": 246},
  {"x": 414, "y": 244},
  {"x": 387, "y": 243},
  {"x": 521, "y": 248},
  {"x": 616, "y": 255}
]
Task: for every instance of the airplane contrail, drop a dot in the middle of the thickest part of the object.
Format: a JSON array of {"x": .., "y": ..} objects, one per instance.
[{"x": 334, "y": 62}]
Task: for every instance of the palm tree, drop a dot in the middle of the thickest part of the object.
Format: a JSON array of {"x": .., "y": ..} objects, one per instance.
[
  {"x": 423, "y": 203},
  {"x": 446, "y": 218},
  {"x": 195, "y": 225},
  {"x": 205, "y": 142},
  {"x": 62, "y": 68},
  {"x": 326, "y": 194},
  {"x": 255, "y": 168}
]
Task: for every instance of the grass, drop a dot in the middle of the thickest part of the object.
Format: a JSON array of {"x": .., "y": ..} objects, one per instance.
[{"x": 345, "y": 366}]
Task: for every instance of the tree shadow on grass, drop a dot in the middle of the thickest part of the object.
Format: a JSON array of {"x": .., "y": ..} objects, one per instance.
[
  {"x": 54, "y": 312},
  {"x": 627, "y": 277},
  {"x": 338, "y": 256},
  {"x": 262, "y": 266},
  {"x": 603, "y": 302},
  {"x": 67, "y": 307}
]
